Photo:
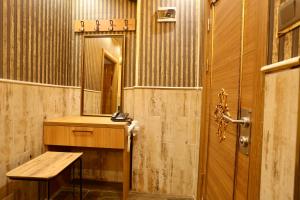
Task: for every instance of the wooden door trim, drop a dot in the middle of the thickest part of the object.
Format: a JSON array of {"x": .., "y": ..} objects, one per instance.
[
  {"x": 205, "y": 109},
  {"x": 257, "y": 115}
]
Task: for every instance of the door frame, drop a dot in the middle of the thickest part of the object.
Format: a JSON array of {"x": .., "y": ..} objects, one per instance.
[{"x": 257, "y": 114}]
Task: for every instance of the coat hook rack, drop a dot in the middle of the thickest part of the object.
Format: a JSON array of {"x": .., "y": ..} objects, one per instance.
[{"x": 104, "y": 25}]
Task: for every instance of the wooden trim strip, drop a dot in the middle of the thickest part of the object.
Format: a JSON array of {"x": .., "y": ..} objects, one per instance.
[
  {"x": 163, "y": 88},
  {"x": 93, "y": 91},
  {"x": 137, "y": 45},
  {"x": 1, "y": 38},
  {"x": 15, "y": 40},
  {"x": 295, "y": 42},
  {"x": 281, "y": 48},
  {"x": 36, "y": 84},
  {"x": 8, "y": 55},
  {"x": 22, "y": 44},
  {"x": 288, "y": 29},
  {"x": 286, "y": 64},
  {"x": 271, "y": 30}
]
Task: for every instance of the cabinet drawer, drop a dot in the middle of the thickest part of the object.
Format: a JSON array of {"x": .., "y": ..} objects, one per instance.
[
  {"x": 56, "y": 135},
  {"x": 96, "y": 137}
]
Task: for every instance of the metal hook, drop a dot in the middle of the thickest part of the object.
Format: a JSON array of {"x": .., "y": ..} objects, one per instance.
[
  {"x": 81, "y": 26},
  {"x": 97, "y": 25},
  {"x": 126, "y": 25},
  {"x": 111, "y": 27}
]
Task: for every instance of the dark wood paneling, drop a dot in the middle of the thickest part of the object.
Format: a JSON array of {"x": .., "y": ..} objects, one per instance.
[
  {"x": 285, "y": 46},
  {"x": 295, "y": 44},
  {"x": 169, "y": 52},
  {"x": 281, "y": 48},
  {"x": 271, "y": 31}
]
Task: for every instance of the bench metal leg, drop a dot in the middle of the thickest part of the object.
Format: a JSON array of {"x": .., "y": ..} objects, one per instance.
[
  {"x": 73, "y": 181},
  {"x": 48, "y": 189},
  {"x": 38, "y": 190},
  {"x": 80, "y": 176}
]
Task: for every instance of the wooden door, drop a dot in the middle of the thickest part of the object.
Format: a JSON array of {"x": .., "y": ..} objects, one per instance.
[
  {"x": 226, "y": 33},
  {"x": 235, "y": 50}
]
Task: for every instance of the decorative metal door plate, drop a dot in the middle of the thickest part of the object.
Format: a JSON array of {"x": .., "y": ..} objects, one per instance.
[{"x": 222, "y": 109}]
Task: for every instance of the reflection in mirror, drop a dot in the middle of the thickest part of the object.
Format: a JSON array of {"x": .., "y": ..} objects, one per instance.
[{"x": 102, "y": 72}]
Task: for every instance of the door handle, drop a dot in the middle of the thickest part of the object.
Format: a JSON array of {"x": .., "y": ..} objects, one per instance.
[
  {"x": 245, "y": 121},
  {"x": 82, "y": 131}
]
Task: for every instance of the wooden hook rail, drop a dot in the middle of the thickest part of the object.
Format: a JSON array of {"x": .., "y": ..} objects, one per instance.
[{"x": 104, "y": 25}]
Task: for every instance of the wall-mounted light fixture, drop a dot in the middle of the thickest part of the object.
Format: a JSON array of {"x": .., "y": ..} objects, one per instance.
[{"x": 166, "y": 14}]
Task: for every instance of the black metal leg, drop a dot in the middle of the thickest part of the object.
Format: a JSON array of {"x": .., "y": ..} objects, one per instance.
[
  {"x": 73, "y": 180},
  {"x": 48, "y": 189},
  {"x": 80, "y": 177},
  {"x": 38, "y": 191}
]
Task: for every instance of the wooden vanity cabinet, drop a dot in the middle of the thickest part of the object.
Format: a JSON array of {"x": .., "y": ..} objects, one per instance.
[{"x": 90, "y": 132}]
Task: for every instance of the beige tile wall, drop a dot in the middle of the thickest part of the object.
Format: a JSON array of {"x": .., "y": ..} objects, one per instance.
[
  {"x": 22, "y": 111},
  {"x": 166, "y": 151},
  {"x": 280, "y": 134}
]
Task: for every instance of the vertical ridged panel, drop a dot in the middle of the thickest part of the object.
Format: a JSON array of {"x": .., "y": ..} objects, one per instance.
[
  {"x": 35, "y": 38},
  {"x": 169, "y": 55}
]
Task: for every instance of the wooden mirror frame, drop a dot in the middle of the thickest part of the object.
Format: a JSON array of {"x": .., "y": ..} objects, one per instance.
[{"x": 123, "y": 36}]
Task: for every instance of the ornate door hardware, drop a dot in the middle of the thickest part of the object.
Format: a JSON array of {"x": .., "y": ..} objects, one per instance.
[
  {"x": 221, "y": 110},
  {"x": 222, "y": 118}
]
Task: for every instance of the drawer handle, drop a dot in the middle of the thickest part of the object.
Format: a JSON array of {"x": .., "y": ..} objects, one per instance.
[{"x": 82, "y": 132}]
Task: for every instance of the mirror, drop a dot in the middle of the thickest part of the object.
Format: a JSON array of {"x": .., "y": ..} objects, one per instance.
[{"x": 103, "y": 58}]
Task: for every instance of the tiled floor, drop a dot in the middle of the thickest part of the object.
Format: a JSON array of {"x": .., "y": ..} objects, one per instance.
[{"x": 67, "y": 194}]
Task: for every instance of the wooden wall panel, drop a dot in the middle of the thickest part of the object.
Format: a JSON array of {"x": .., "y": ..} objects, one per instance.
[
  {"x": 104, "y": 9},
  {"x": 283, "y": 47},
  {"x": 34, "y": 42},
  {"x": 166, "y": 150},
  {"x": 22, "y": 111},
  {"x": 280, "y": 135},
  {"x": 169, "y": 52}
]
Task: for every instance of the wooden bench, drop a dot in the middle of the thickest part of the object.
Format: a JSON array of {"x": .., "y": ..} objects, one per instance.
[{"x": 45, "y": 167}]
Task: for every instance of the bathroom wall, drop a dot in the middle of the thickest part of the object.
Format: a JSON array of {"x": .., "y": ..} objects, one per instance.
[
  {"x": 169, "y": 53},
  {"x": 285, "y": 46}
]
